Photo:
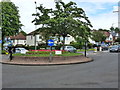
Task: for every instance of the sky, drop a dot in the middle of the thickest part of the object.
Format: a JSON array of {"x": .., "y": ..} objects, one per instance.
[{"x": 99, "y": 12}]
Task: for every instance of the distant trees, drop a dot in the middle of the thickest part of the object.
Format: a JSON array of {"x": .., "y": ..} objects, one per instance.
[
  {"x": 115, "y": 29},
  {"x": 98, "y": 36},
  {"x": 66, "y": 19},
  {"x": 10, "y": 23}
]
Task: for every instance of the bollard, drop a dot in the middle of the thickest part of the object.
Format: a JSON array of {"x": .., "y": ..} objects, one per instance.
[
  {"x": 95, "y": 49},
  {"x": 100, "y": 49}
]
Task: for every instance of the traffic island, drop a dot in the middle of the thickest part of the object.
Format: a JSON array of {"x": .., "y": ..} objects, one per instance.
[{"x": 43, "y": 61}]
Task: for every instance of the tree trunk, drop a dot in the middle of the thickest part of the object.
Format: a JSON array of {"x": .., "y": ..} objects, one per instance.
[
  {"x": 58, "y": 39},
  {"x": 46, "y": 43},
  {"x": 63, "y": 42}
]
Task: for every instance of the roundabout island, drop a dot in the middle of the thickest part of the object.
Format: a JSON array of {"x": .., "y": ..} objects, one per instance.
[{"x": 43, "y": 58}]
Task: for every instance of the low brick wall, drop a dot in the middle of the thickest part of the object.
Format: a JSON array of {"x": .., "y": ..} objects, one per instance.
[{"x": 46, "y": 59}]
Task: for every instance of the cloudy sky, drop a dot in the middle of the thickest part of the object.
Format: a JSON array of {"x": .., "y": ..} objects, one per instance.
[{"x": 100, "y": 12}]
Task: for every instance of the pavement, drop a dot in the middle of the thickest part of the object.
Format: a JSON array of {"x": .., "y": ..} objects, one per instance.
[{"x": 79, "y": 60}]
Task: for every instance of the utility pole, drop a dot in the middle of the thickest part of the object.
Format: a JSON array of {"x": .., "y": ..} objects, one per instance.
[
  {"x": 85, "y": 48},
  {"x": 118, "y": 15},
  {"x": 35, "y": 27},
  {"x": 118, "y": 11}
]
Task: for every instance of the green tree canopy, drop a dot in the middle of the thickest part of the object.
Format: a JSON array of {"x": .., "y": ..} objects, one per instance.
[
  {"x": 66, "y": 19},
  {"x": 10, "y": 24}
]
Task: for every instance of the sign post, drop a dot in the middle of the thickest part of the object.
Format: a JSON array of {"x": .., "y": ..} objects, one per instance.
[{"x": 50, "y": 43}]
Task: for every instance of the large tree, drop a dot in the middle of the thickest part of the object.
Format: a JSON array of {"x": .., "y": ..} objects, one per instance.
[
  {"x": 66, "y": 19},
  {"x": 10, "y": 24}
]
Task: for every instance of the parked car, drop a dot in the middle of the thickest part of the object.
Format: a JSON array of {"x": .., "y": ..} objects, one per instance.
[
  {"x": 21, "y": 50},
  {"x": 69, "y": 49},
  {"x": 104, "y": 47},
  {"x": 115, "y": 48}
]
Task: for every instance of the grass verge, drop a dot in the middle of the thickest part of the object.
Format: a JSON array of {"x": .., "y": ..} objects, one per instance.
[{"x": 81, "y": 50}]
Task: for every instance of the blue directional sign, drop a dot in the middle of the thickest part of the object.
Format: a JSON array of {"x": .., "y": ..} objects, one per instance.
[
  {"x": 0, "y": 41},
  {"x": 50, "y": 42},
  {"x": 103, "y": 43}
]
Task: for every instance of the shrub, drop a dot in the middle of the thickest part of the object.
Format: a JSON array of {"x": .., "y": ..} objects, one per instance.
[
  {"x": 3, "y": 52},
  {"x": 30, "y": 47},
  {"x": 117, "y": 40},
  {"x": 76, "y": 45},
  {"x": 22, "y": 46},
  {"x": 90, "y": 45},
  {"x": 58, "y": 46}
]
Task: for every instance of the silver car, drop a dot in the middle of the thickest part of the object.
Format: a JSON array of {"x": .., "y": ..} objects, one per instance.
[
  {"x": 69, "y": 48},
  {"x": 115, "y": 48},
  {"x": 21, "y": 50}
]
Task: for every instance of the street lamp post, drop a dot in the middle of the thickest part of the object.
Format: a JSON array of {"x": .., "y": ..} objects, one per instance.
[
  {"x": 118, "y": 11},
  {"x": 35, "y": 28},
  {"x": 119, "y": 17},
  {"x": 85, "y": 48}
]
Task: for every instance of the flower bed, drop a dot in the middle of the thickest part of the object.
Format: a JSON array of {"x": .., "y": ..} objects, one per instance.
[{"x": 45, "y": 51}]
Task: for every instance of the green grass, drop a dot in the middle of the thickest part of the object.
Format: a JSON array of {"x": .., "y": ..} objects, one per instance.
[
  {"x": 81, "y": 50},
  {"x": 3, "y": 52},
  {"x": 32, "y": 55},
  {"x": 70, "y": 54},
  {"x": 46, "y": 55}
]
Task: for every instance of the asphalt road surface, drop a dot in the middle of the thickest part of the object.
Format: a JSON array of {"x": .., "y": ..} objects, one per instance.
[{"x": 101, "y": 73}]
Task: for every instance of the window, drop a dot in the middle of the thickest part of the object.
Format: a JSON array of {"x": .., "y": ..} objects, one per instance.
[
  {"x": 67, "y": 38},
  {"x": 31, "y": 37},
  {"x": 40, "y": 37}
]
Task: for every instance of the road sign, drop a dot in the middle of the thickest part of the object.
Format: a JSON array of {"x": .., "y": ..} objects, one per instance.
[
  {"x": 58, "y": 52},
  {"x": 0, "y": 41},
  {"x": 103, "y": 43},
  {"x": 50, "y": 42}
]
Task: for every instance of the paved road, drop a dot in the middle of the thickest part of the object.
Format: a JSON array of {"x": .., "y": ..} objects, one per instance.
[{"x": 101, "y": 73}]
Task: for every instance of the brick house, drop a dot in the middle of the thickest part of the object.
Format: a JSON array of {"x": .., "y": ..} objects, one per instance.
[{"x": 19, "y": 39}]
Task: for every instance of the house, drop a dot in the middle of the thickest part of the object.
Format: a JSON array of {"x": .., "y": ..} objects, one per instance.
[
  {"x": 19, "y": 39},
  {"x": 30, "y": 38},
  {"x": 35, "y": 36},
  {"x": 114, "y": 35},
  {"x": 111, "y": 36}
]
